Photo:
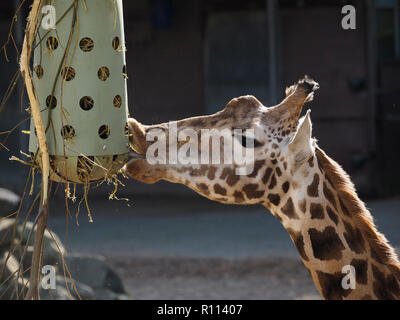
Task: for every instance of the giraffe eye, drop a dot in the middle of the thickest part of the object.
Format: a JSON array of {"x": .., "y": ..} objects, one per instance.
[{"x": 248, "y": 142}]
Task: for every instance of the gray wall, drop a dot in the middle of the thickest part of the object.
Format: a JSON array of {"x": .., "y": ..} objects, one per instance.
[{"x": 183, "y": 70}]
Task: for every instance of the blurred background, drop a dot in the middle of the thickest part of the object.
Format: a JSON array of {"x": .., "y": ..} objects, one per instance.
[{"x": 188, "y": 58}]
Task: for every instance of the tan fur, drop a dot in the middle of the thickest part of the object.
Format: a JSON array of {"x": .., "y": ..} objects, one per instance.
[
  {"x": 361, "y": 217},
  {"x": 307, "y": 191}
]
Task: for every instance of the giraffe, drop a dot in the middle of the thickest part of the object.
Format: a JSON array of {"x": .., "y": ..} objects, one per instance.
[{"x": 310, "y": 194}]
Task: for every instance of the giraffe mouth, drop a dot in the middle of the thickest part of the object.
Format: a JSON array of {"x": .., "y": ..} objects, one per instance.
[{"x": 133, "y": 155}]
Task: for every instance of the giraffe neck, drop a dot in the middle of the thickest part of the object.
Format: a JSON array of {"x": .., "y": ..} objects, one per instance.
[{"x": 334, "y": 232}]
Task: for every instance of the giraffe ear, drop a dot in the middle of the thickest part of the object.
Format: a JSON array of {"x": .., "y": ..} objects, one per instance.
[{"x": 301, "y": 146}]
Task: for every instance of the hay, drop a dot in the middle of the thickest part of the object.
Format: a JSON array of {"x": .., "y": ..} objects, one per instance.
[
  {"x": 51, "y": 44},
  {"x": 117, "y": 101},
  {"x": 86, "y": 44},
  {"x": 86, "y": 103},
  {"x": 68, "y": 73},
  {"x": 54, "y": 166},
  {"x": 103, "y": 73},
  {"x": 35, "y": 105},
  {"x": 116, "y": 44}
]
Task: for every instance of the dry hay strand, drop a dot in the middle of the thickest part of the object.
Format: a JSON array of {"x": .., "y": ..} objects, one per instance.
[
  {"x": 86, "y": 44},
  {"x": 103, "y": 73},
  {"x": 85, "y": 164}
]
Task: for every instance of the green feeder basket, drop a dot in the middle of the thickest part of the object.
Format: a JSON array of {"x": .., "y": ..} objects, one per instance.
[{"x": 83, "y": 96}]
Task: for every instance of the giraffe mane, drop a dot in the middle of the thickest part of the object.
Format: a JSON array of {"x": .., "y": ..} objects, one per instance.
[{"x": 359, "y": 213}]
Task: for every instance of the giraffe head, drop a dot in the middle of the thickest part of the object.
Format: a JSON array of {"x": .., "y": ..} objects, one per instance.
[
  {"x": 306, "y": 190},
  {"x": 277, "y": 139}
]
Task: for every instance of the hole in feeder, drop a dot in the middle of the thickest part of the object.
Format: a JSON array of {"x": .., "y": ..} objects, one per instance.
[
  {"x": 52, "y": 43},
  {"x": 68, "y": 73},
  {"x": 116, "y": 44},
  {"x": 86, "y": 44},
  {"x": 117, "y": 101},
  {"x": 39, "y": 71},
  {"x": 51, "y": 102},
  {"x": 124, "y": 74},
  {"x": 115, "y": 156},
  {"x": 86, "y": 103},
  {"x": 84, "y": 167},
  {"x": 52, "y": 160},
  {"x": 67, "y": 132},
  {"x": 126, "y": 129},
  {"x": 103, "y": 73},
  {"x": 104, "y": 131}
]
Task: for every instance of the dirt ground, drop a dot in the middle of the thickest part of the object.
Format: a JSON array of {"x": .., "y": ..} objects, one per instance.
[
  {"x": 185, "y": 248},
  {"x": 214, "y": 278}
]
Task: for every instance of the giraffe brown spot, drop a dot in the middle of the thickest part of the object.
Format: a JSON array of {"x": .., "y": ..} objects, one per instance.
[
  {"x": 326, "y": 244},
  {"x": 239, "y": 198},
  {"x": 203, "y": 188},
  {"x": 230, "y": 176},
  {"x": 274, "y": 161},
  {"x": 303, "y": 205},
  {"x": 327, "y": 178},
  {"x": 320, "y": 164},
  {"x": 385, "y": 287},
  {"x": 257, "y": 166},
  {"x": 377, "y": 252},
  {"x": 275, "y": 199},
  {"x": 312, "y": 189},
  {"x": 278, "y": 171},
  {"x": 273, "y": 182},
  {"x": 275, "y": 146},
  {"x": 213, "y": 122},
  {"x": 266, "y": 176},
  {"x": 374, "y": 253},
  {"x": 317, "y": 211},
  {"x": 331, "y": 285},
  {"x": 329, "y": 195},
  {"x": 194, "y": 172},
  {"x": 332, "y": 215},
  {"x": 251, "y": 191},
  {"x": 344, "y": 208},
  {"x": 354, "y": 238},
  {"x": 211, "y": 173},
  {"x": 197, "y": 122},
  {"x": 288, "y": 209},
  {"x": 298, "y": 241},
  {"x": 219, "y": 190},
  {"x": 285, "y": 165},
  {"x": 285, "y": 186},
  {"x": 367, "y": 297},
  {"x": 311, "y": 162},
  {"x": 361, "y": 267}
]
